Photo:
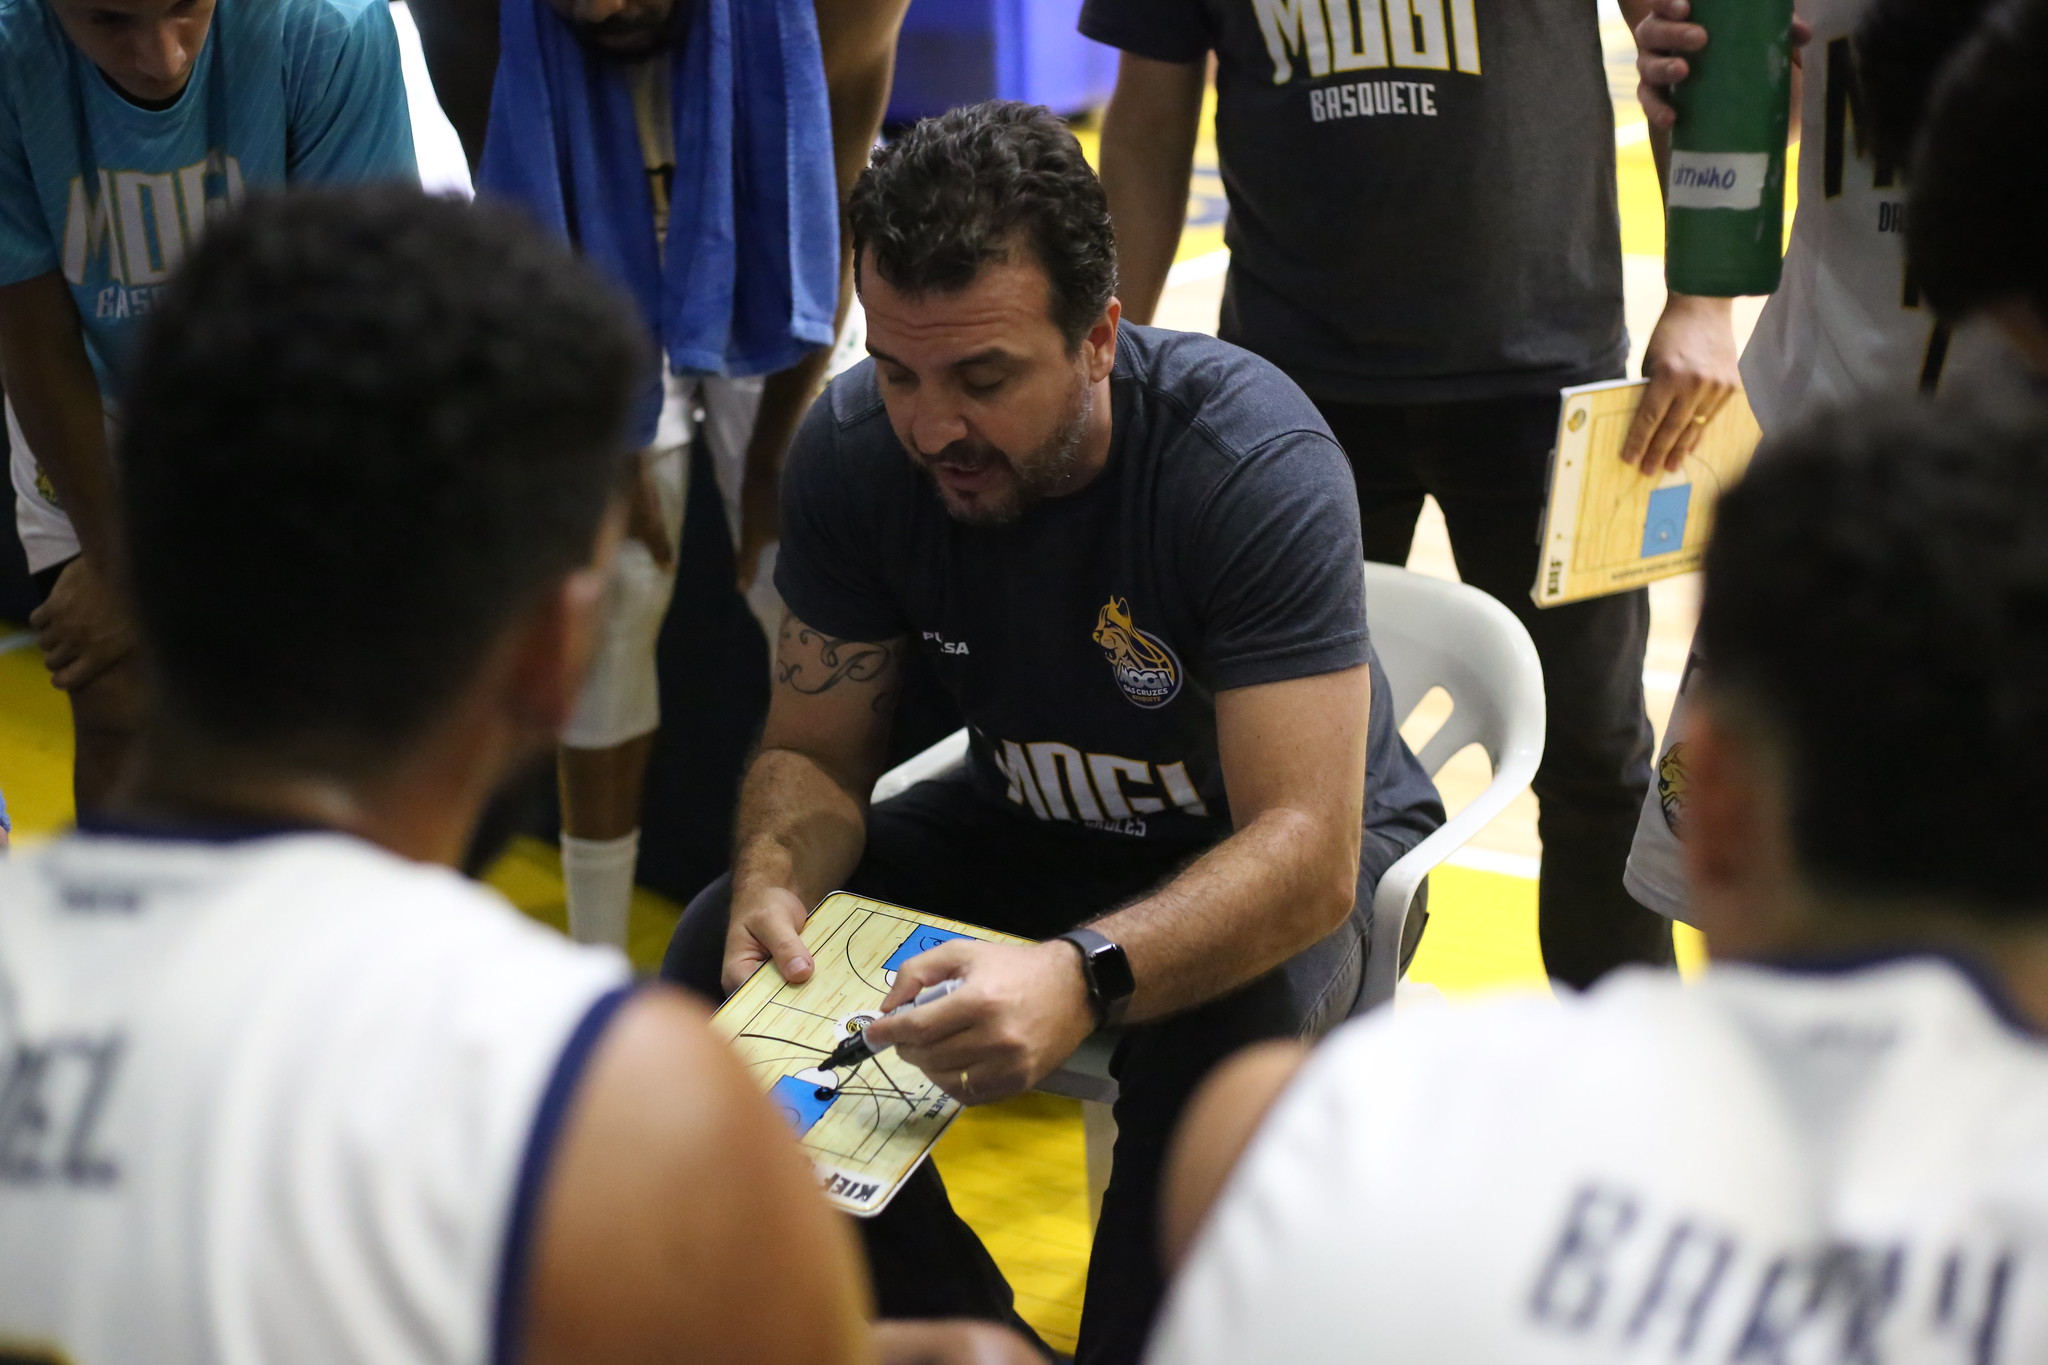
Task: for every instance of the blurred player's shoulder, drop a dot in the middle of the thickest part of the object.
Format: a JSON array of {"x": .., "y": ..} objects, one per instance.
[
  {"x": 1522, "y": 1179},
  {"x": 316, "y": 1056}
]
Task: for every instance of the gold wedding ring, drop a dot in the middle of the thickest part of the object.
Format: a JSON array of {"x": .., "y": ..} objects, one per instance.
[
  {"x": 963, "y": 1085},
  {"x": 1699, "y": 419}
]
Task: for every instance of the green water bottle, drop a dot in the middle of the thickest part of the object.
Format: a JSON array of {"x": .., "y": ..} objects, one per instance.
[{"x": 1724, "y": 199}]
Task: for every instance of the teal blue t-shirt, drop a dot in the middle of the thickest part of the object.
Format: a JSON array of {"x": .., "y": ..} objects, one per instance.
[{"x": 283, "y": 92}]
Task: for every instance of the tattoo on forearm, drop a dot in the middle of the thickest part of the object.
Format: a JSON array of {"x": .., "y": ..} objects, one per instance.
[{"x": 813, "y": 662}]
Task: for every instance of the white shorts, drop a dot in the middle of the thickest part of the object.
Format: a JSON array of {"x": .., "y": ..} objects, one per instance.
[
  {"x": 46, "y": 534},
  {"x": 1655, "y": 875},
  {"x": 621, "y": 699},
  {"x": 730, "y": 406}
]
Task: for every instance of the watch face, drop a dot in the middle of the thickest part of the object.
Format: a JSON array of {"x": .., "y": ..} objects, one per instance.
[{"x": 1113, "y": 972}]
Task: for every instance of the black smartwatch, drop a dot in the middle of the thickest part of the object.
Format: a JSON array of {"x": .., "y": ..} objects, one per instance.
[{"x": 1107, "y": 970}]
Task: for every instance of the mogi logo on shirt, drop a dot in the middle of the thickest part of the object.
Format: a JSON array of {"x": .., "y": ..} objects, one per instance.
[{"x": 1143, "y": 665}]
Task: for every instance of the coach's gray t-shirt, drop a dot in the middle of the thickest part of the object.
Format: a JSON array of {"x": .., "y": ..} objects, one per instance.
[
  {"x": 1422, "y": 198},
  {"x": 1086, "y": 641}
]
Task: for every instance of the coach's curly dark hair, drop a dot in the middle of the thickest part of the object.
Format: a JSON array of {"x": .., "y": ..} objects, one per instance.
[
  {"x": 1877, "y": 598},
  {"x": 959, "y": 191},
  {"x": 364, "y": 429}
]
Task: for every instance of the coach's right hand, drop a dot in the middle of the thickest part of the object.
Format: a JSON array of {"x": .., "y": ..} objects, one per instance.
[{"x": 767, "y": 923}]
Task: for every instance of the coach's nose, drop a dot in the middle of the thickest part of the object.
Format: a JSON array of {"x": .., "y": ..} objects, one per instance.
[{"x": 934, "y": 424}]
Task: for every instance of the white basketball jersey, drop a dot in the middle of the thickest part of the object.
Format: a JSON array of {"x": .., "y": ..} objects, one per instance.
[
  {"x": 1767, "y": 1166},
  {"x": 285, "y": 1099},
  {"x": 1847, "y": 321}
]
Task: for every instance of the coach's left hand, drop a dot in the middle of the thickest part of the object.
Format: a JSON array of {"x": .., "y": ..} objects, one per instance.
[{"x": 1022, "y": 1010}]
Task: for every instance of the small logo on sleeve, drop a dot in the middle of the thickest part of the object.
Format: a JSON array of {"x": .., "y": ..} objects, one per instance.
[
  {"x": 1142, "y": 663},
  {"x": 1671, "y": 788}
]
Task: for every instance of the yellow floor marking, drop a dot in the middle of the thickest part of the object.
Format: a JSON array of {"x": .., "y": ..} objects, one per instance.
[{"x": 35, "y": 743}]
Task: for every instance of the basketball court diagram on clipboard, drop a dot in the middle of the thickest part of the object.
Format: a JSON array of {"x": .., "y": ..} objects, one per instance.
[
  {"x": 866, "y": 1129},
  {"x": 1607, "y": 526}
]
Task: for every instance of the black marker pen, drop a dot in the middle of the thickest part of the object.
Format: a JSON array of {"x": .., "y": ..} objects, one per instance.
[{"x": 857, "y": 1049}]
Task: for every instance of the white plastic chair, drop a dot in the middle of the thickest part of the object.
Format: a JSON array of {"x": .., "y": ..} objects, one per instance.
[{"x": 1429, "y": 632}]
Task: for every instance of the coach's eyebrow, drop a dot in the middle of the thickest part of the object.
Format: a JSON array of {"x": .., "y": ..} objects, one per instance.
[{"x": 993, "y": 355}]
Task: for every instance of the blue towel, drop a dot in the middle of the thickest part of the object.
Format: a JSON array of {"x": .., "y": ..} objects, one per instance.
[{"x": 752, "y": 257}]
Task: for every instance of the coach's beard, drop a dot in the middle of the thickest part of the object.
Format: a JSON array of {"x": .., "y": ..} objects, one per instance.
[{"x": 1019, "y": 485}]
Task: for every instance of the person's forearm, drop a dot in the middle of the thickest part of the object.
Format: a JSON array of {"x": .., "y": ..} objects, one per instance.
[
  {"x": 1148, "y": 149},
  {"x": 56, "y": 398},
  {"x": 1710, "y": 306},
  {"x": 797, "y": 828},
  {"x": 1797, "y": 95},
  {"x": 858, "y": 39},
  {"x": 1276, "y": 886}
]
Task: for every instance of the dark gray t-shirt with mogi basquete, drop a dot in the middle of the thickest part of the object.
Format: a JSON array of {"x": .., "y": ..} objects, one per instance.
[
  {"x": 1086, "y": 641},
  {"x": 1422, "y": 198}
]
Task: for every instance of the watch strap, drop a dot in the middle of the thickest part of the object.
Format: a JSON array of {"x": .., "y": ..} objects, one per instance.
[{"x": 1109, "y": 1007}]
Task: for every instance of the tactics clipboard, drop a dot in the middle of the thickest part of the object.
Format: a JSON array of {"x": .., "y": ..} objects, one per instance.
[
  {"x": 866, "y": 1137},
  {"x": 1607, "y": 526}
]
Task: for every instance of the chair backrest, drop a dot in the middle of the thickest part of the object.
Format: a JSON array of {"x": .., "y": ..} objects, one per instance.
[{"x": 1431, "y": 632}]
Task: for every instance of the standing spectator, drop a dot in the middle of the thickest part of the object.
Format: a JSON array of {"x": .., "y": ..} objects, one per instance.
[
  {"x": 1423, "y": 235},
  {"x": 125, "y": 126},
  {"x": 699, "y": 176}
]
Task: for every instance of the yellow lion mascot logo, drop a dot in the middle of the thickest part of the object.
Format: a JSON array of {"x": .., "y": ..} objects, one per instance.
[
  {"x": 1671, "y": 788},
  {"x": 1143, "y": 666}
]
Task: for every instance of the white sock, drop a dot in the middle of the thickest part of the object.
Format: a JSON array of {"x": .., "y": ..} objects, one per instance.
[{"x": 599, "y": 874}]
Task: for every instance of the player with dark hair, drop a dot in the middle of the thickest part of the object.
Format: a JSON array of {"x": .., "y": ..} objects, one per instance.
[
  {"x": 279, "y": 1085},
  {"x": 126, "y": 126},
  {"x": 1956, "y": 89},
  {"x": 1830, "y": 1146},
  {"x": 1900, "y": 48},
  {"x": 1133, "y": 558}
]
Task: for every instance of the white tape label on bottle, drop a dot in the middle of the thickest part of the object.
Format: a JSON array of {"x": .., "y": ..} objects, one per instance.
[{"x": 1718, "y": 180}]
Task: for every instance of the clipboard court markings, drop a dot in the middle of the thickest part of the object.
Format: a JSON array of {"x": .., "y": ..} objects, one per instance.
[
  {"x": 1607, "y": 526},
  {"x": 868, "y": 1128}
]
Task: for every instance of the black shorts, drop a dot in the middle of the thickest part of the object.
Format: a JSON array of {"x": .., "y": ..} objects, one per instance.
[{"x": 44, "y": 581}]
